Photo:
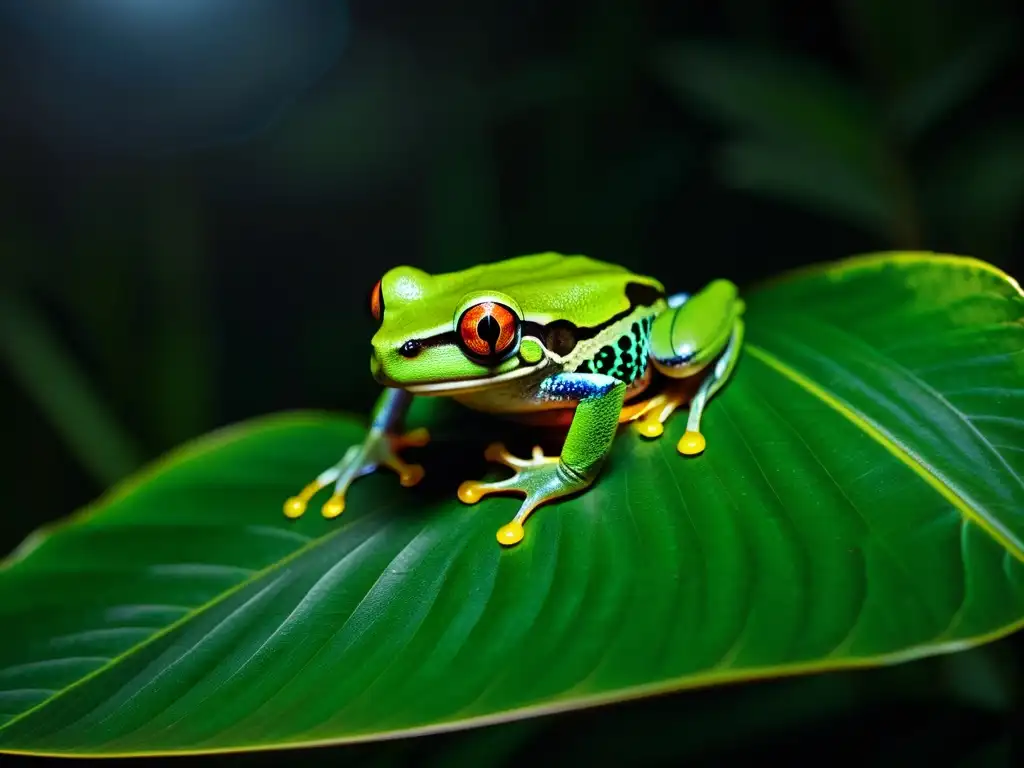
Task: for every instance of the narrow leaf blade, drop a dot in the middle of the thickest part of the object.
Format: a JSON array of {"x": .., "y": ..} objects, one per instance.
[{"x": 812, "y": 180}]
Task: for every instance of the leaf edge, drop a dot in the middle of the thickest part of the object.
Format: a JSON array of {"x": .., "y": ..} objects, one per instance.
[
  {"x": 879, "y": 259},
  {"x": 674, "y": 685}
]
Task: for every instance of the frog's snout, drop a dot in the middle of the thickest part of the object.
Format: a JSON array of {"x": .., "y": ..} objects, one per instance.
[
  {"x": 376, "y": 367},
  {"x": 384, "y": 364}
]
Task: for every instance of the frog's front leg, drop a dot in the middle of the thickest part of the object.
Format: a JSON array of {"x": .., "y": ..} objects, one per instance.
[
  {"x": 380, "y": 448},
  {"x": 692, "y": 442},
  {"x": 697, "y": 332},
  {"x": 545, "y": 478}
]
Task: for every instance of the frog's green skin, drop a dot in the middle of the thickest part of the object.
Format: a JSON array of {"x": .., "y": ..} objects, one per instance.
[{"x": 567, "y": 332}]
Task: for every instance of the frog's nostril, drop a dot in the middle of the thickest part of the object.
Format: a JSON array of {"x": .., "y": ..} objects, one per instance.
[{"x": 411, "y": 348}]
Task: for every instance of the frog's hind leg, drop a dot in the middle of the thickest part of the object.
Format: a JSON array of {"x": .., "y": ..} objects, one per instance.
[
  {"x": 545, "y": 478},
  {"x": 650, "y": 416},
  {"x": 692, "y": 442}
]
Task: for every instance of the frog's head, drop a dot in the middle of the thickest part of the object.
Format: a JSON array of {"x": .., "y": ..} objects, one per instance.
[
  {"x": 439, "y": 335},
  {"x": 461, "y": 331}
]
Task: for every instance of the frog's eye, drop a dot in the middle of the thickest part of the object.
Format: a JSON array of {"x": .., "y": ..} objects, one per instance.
[
  {"x": 489, "y": 331},
  {"x": 376, "y": 302}
]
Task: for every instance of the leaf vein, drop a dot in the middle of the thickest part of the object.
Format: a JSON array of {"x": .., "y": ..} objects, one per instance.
[
  {"x": 936, "y": 480},
  {"x": 16, "y": 669}
]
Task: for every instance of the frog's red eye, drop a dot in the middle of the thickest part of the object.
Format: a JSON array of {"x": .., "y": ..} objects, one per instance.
[
  {"x": 376, "y": 302},
  {"x": 489, "y": 331}
]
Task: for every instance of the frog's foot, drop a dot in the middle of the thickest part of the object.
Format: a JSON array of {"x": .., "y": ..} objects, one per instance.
[
  {"x": 379, "y": 449},
  {"x": 691, "y": 443},
  {"x": 650, "y": 420},
  {"x": 540, "y": 478}
]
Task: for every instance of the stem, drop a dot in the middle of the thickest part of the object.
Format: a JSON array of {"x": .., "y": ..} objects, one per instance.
[{"x": 50, "y": 377}]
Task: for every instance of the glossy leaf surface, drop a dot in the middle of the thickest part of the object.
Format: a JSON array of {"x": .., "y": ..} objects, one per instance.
[{"x": 860, "y": 502}]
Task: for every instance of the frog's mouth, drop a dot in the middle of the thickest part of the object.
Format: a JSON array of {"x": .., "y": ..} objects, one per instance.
[{"x": 449, "y": 387}]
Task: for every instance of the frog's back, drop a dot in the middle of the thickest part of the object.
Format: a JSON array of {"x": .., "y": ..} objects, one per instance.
[
  {"x": 541, "y": 267},
  {"x": 553, "y": 286}
]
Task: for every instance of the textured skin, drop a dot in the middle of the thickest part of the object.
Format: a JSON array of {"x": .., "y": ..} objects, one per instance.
[{"x": 597, "y": 416}]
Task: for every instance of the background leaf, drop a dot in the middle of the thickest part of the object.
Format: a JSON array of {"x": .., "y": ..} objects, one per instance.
[
  {"x": 815, "y": 180},
  {"x": 924, "y": 57},
  {"x": 805, "y": 135},
  {"x": 776, "y": 96},
  {"x": 859, "y": 503},
  {"x": 952, "y": 81}
]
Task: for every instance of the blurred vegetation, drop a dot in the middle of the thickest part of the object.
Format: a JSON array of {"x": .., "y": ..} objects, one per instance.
[{"x": 158, "y": 283}]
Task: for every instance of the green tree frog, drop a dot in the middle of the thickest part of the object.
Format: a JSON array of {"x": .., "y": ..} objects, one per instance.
[{"x": 539, "y": 335}]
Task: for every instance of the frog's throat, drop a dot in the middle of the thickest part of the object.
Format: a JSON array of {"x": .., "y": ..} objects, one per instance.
[{"x": 465, "y": 386}]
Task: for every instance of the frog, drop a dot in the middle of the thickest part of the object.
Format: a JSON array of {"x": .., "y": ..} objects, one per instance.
[{"x": 542, "y": 338}]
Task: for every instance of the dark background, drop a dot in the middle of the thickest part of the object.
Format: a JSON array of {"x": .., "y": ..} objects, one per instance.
[{"x": 196, "y": 196}]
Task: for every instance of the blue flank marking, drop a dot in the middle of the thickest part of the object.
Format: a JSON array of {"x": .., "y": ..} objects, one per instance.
[{"x": 577, "y": 386}]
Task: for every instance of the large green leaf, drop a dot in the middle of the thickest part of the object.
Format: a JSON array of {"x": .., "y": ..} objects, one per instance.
[{"x": 860, "y": 502}]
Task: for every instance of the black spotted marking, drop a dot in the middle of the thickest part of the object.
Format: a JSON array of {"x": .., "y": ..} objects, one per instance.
[
  {"x": 605, "y": 360},
  {"x": 627, "y": 358}
]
